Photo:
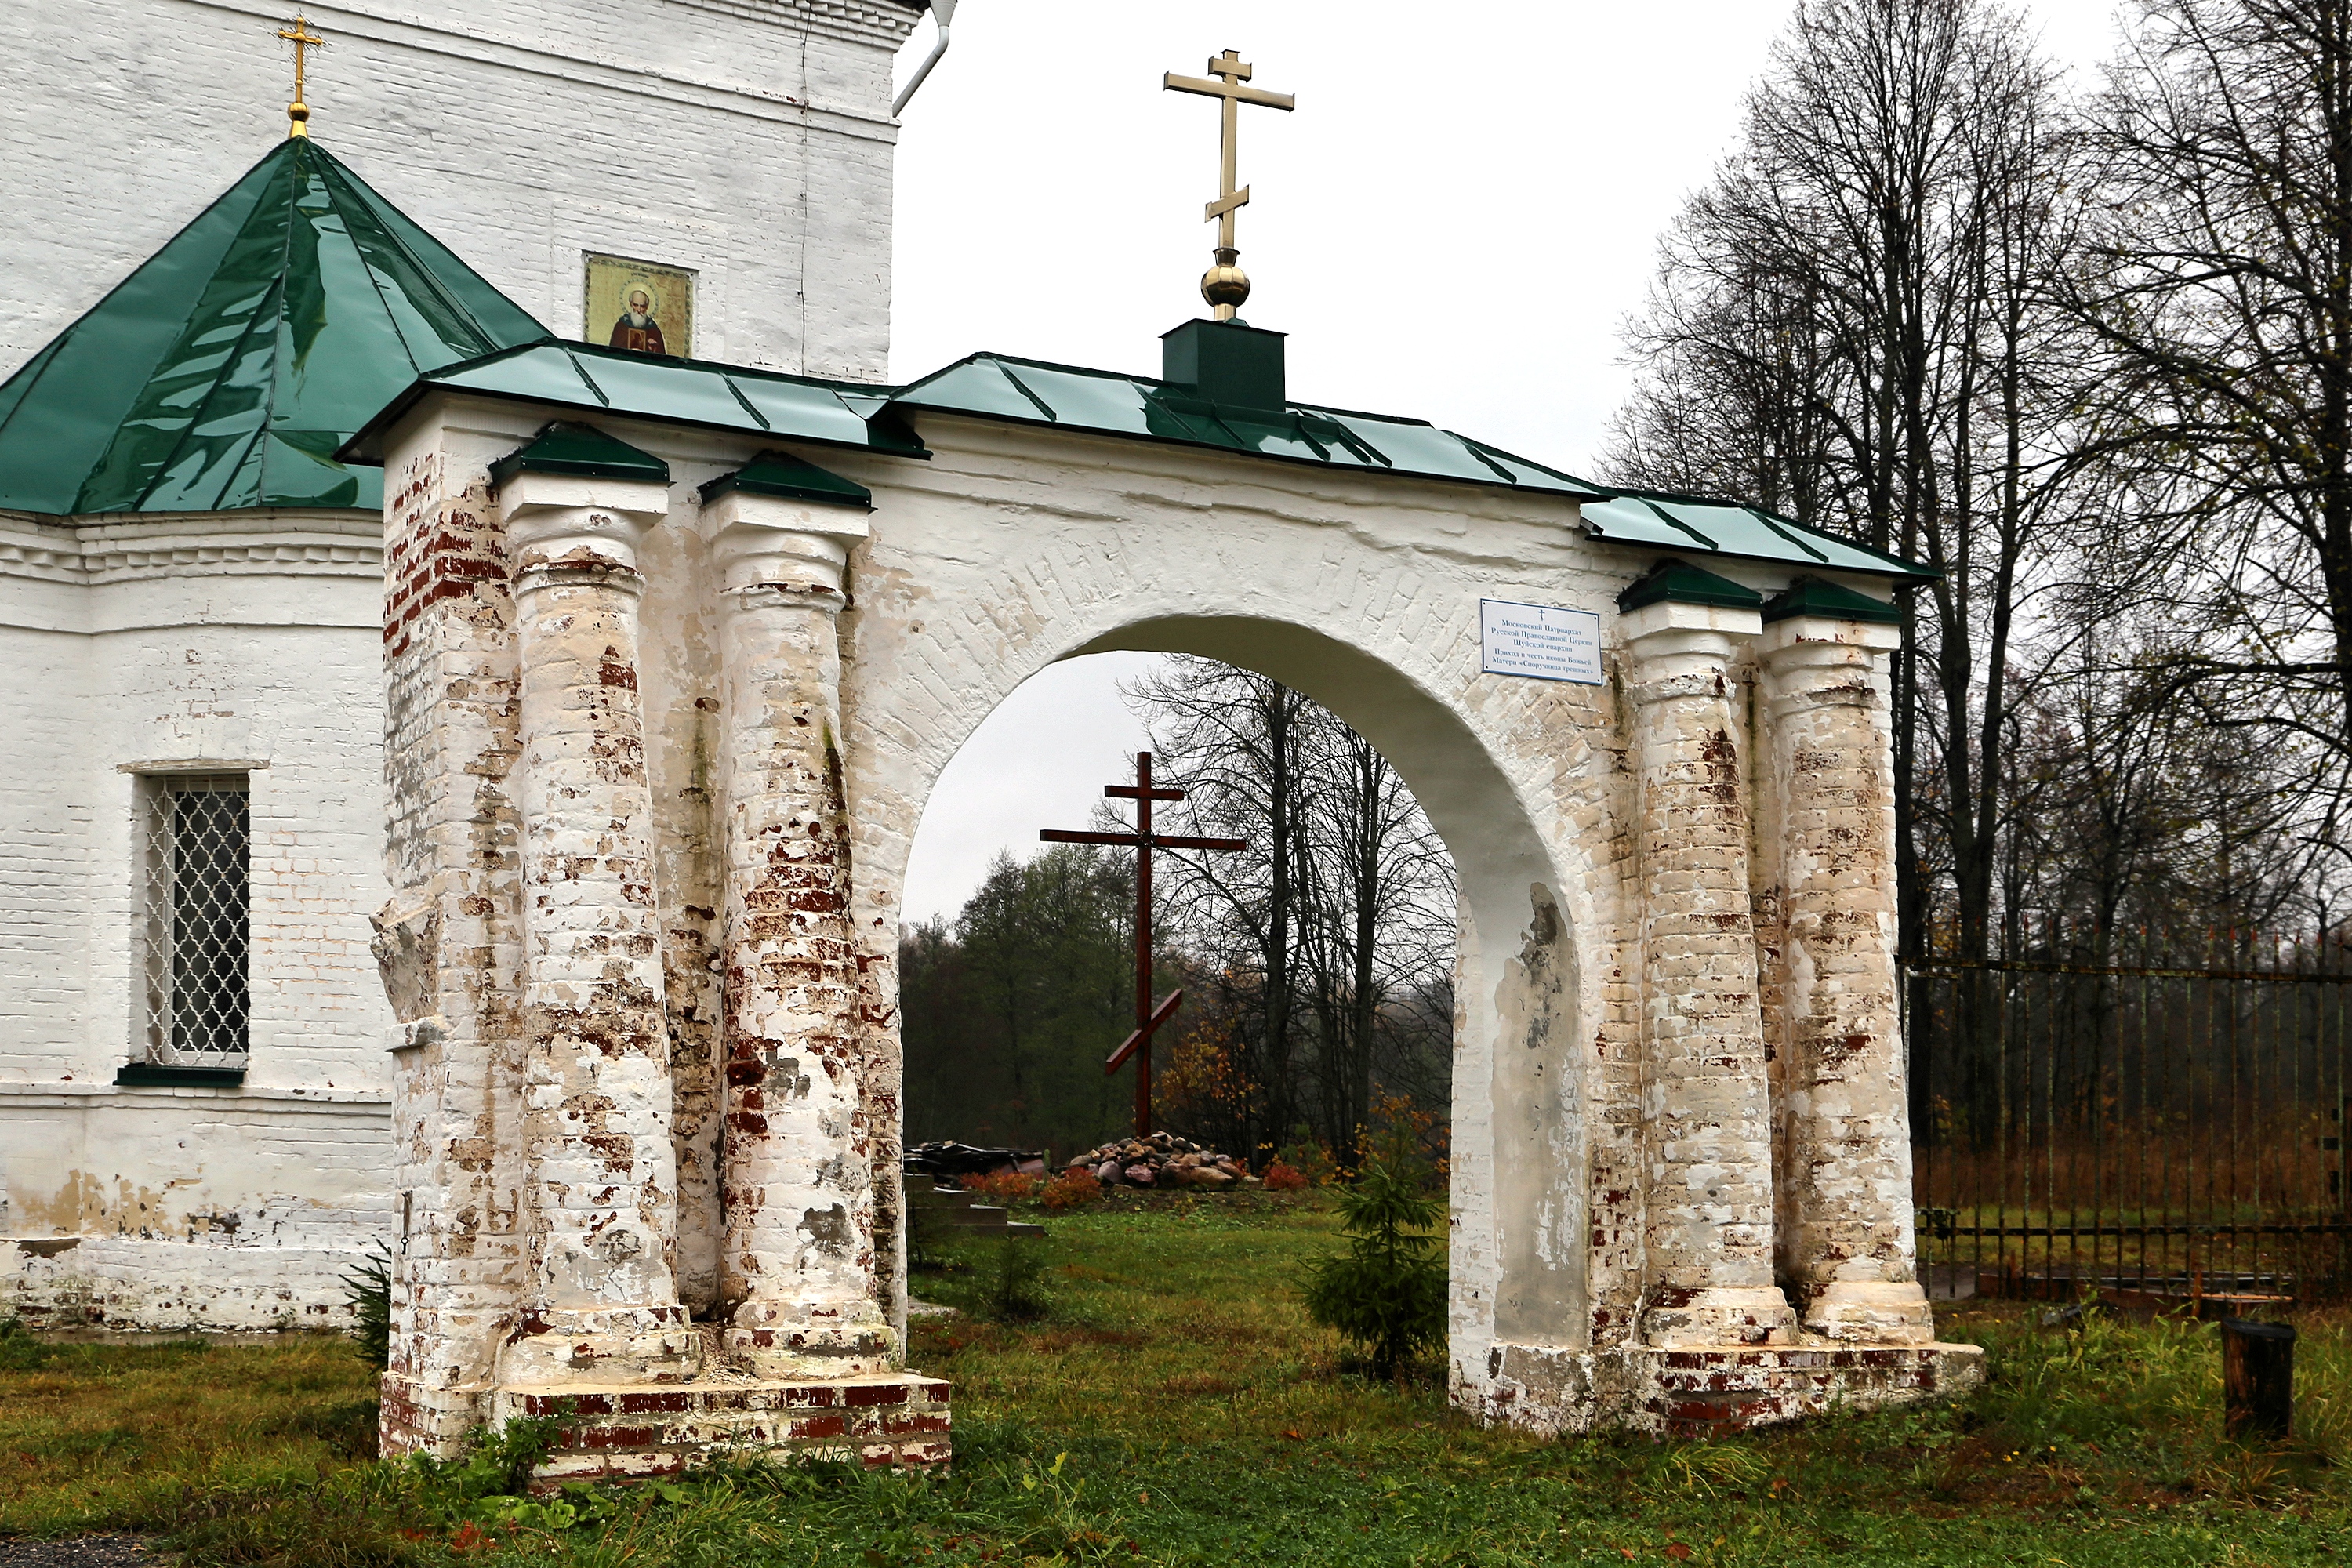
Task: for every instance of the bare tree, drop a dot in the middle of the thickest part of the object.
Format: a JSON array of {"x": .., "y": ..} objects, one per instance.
[
  {"x": 1858, "y": 306},
  {"x": 1235, "y": 742},
  {"x": 1330, "y": 944},
  {"x": 2219, "y": 286},
  {"x": 1379, "y": 936}
]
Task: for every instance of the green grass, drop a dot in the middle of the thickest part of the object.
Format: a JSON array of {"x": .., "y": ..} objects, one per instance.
[
  {"x": 1196, "y": 1416},
  {"x": 104, "y": 1438}
]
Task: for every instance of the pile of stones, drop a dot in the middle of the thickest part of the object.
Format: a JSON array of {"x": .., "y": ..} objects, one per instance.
[{"x": 1162, "y": 1160}]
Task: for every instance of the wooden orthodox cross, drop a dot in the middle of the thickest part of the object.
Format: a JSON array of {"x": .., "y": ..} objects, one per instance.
[{"x": 1148, "y": 1019}]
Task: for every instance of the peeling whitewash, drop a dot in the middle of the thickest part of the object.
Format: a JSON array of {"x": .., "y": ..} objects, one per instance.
[
  {"x": 801, "y": 677},
  {"x": 255, "y": 640}
]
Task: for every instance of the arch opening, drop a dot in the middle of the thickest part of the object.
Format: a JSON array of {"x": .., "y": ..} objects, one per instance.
[{"x": 1518, "y": 1145}]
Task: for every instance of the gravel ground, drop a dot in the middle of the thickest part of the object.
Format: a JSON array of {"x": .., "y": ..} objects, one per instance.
[{"x": 88, "y": 1552}]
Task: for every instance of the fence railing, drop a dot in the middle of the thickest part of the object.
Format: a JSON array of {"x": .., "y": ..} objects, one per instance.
[{"x": 2134, "y": 1121}]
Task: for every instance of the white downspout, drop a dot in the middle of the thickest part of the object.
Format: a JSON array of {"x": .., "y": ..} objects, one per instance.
[{"x": 942, "y": 12}]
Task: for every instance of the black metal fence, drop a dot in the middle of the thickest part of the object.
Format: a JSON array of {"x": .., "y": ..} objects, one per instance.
[{"x": 2134, "y": 1113}]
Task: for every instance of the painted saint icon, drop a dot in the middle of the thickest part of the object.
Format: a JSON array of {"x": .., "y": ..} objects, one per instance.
[
  {"x": 638, "y": 306},
  {"x": 638, "y": 329}
]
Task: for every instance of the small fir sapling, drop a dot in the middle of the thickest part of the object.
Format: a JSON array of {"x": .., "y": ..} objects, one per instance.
[
  {"x": 1017, "y": 1282},
  {"x": 367, "y": 1290},
  {"x": 1387, "y": 1292}
]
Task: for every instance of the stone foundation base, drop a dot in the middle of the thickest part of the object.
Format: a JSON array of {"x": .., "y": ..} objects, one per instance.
[
  {"x": 420, "y": 1418},
  {"x": 1700, "y": 1391},
  {"x": 632, "y": 1432}
]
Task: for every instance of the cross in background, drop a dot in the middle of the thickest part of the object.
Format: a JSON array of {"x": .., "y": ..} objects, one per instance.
[{"x": 1144, "y": 841}]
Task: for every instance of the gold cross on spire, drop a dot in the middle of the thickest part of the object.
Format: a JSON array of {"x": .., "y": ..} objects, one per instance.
[
  {"x": 1225, "y": 285},
  {"x": 297, "y": 114}
]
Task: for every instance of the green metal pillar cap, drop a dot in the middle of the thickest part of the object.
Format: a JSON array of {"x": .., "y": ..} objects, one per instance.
[
  {"x": 1820, "y": 596},
  {"x": 781, "y": 474},
  {"x": 1680, "y": 583},
  {"x": 583, "y": 451}
]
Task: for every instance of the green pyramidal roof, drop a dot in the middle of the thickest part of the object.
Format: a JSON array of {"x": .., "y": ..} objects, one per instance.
[{"x": 225, "y": 372}]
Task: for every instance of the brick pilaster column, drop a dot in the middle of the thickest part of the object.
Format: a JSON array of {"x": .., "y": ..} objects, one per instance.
[
  {"x": 797, "y": 1260},
  {"x": 449, "y": 941},
  {"x": 1706, "y": 1106},
  {"x": 1849, "y": 1247},
  {"x": 599, "y": 1206}
]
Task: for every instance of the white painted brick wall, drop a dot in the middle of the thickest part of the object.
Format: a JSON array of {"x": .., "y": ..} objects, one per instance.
[
  {"x": 750, "y": 142},
  {"x": 747, "y": 140},
  {"x": 163, "y": 661},
  {"x": 250, "y": 638},
  {"x": 188, "y": 1207}
]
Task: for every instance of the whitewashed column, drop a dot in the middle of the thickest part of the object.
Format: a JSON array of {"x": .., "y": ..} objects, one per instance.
[
  {"x": 600, "y": 1302},
  {"x": 449, "y": 941},
  {"x": 1850, "y": 1250},
  {"x": 797, "y": 1260},
  {"x": 1706, "y": 1105}
]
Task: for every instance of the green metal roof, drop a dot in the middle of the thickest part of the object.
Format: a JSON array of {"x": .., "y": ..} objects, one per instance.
[
  {"x": 1689, "y": 524},
  {"x": 617, "y": 383},
  {"x": 225, "y": 372},
  {"x": 583, "y": 451},
  {"x": 1680, "y": 583},
  {"x": 806, "y": 411},
  {"x": 782, "y": 475},
  {"x": 1031, "y": 392}
]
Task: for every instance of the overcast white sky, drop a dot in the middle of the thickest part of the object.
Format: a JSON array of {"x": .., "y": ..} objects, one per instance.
[{"x": 1453, "y": 226}]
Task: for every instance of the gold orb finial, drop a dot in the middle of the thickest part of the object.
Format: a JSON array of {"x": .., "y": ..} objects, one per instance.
[
  {"x": 298, "y": 115},
  {"x": 1225, "y": 285}
]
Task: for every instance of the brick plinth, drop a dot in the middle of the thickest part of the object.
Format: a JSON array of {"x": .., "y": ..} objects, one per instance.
[
  {"x": 1708, "y": 1390},
  {"x": 1703, "y": 1393},
  {"x": 417, "y": 1418},
  {"x": 632, "y": 1432}
]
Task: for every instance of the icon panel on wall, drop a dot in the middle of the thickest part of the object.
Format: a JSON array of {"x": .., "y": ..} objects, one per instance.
[{"x": 642, "y": 306}]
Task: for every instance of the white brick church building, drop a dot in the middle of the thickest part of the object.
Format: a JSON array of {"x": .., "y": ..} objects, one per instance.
[{"x": 194, "y": 1090}]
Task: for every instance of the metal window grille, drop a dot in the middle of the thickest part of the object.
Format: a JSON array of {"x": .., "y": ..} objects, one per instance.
[{"x": 198, "y": 898}]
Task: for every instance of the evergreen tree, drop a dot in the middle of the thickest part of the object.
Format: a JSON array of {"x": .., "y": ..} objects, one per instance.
[{"x": 1387, "y": 1292}]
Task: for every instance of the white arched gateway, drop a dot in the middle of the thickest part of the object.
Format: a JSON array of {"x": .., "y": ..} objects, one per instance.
[{"x": 675, "y": 653}]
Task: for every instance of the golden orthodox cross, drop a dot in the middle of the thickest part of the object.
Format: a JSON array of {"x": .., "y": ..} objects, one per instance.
[
  {"x": 1148, "y": 1019},
  {"x": 1226, "y": 286},
  {"x": 297, "y": 114}
]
